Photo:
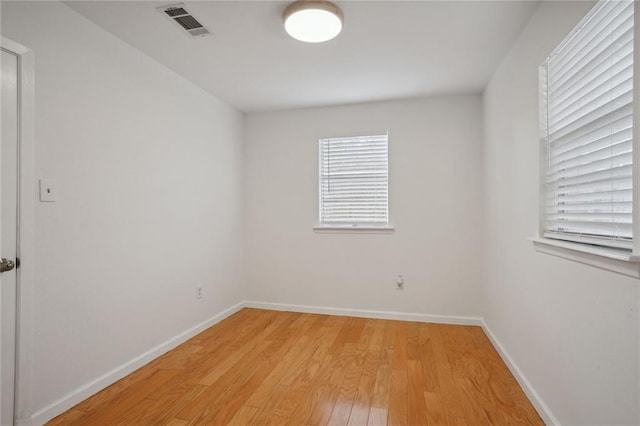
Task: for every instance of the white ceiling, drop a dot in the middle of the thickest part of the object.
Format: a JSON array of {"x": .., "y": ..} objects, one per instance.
[{"x": 387, "y": 50}]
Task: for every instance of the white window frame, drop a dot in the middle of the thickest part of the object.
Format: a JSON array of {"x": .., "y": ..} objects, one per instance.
[
  {"x": 367, "y": 228},
  {"x": 625, "y": 262}
]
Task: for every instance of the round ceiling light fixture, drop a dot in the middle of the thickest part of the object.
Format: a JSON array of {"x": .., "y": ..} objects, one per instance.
[{"x": 312, "y": 21}]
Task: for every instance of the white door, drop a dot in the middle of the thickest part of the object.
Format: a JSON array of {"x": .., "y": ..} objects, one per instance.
[{"x": 8, "y": 234}]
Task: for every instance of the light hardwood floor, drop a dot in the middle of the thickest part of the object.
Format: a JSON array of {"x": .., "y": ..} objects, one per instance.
[{"x": 261, "y": 367}]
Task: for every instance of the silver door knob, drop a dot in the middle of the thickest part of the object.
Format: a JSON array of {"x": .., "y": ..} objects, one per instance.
[{"x": 7, "y": 265}]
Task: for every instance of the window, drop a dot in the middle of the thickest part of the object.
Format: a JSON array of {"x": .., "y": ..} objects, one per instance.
[
  {"x": 587, "y": 129},
  {"x": 354, "y": 181}
]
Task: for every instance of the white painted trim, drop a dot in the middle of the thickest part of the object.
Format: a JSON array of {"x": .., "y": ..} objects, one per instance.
[
  {"x": 84, "y": 392},
  {"x": 362, "y": 313},
  {"x": 14, "y": 47},
  {"x": 600, "y": 257},
  {"x": 26, "y": 240},
  {"x": 535, "y": 398},
  {"x": 25, "y": 235}
]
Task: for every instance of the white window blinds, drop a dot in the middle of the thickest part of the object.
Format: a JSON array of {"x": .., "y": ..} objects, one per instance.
[
  {"x": 354, "y": 181},
  {"x": 587, "y": 128}
]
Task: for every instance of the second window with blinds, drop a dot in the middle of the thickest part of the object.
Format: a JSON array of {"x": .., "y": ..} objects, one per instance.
[
  {"x": 587, "y": 129},
  {"x": 354, "y": 182}
]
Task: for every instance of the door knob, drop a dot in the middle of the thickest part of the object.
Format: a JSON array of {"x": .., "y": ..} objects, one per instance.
[{"x": 7, "y": 265}]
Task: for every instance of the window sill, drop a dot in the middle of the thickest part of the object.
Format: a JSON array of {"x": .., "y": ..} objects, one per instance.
[
  {"x": 618, "y": 261},
  {"x": 348, "y": 229}
]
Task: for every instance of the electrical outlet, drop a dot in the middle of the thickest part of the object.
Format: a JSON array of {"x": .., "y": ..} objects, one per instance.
[
  {"x": 400, "y": 282},
  {"x": 199, "y": 292}
]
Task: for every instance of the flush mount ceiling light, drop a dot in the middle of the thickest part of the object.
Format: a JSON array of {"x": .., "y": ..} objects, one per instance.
[{"x": 312, "y": 21}]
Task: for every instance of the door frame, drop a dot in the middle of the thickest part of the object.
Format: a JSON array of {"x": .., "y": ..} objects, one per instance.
[{"x": 27, "y": 194}]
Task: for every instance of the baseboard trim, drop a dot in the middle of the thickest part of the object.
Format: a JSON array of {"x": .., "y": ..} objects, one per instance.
[
  {"x": 362, "y": 313},
  {"x": 84, "y": 392},
  {"x": 535, "y": 398}
]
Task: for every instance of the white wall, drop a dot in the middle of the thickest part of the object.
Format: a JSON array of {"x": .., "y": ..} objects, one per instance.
[
  {"x": 435, "y": 205},
  {"x": 571, "y": 328},
  {"x": 149, "y": 174}
]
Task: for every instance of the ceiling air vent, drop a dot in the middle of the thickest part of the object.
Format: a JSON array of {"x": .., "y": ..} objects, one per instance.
[{"x": 178, "y": 14}]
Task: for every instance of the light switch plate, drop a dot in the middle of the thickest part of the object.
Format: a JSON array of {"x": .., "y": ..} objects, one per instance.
[{"x": 47, "y": 191}]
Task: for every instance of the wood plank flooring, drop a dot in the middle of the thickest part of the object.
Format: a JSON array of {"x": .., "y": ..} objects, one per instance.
[{"x": 262, "y": 367}]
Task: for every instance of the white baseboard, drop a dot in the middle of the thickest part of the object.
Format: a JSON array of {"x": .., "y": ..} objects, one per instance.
[
  {"x": 540, "y": 406},
  {"x": 84, "y": 392},
  {"x": 362, "y": 313}
]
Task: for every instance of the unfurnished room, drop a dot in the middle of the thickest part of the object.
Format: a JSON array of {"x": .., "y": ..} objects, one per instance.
[{"x": 345, "y": 212}]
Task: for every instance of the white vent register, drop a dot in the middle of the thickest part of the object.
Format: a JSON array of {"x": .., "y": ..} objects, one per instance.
[{"x": 179, "y": 14}]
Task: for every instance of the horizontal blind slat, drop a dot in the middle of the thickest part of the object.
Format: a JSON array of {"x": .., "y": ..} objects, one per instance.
[
  {"x": 596, "y": 98},
  {"x": 608, "y": 111},
  {"x": 594, "y": 228},
  {"x": 599, "y": 176},
  {"x": 592, "y": 217},
  {"x": 624, "y": 120},
  {"x": 623, "y": 158},
  {"x": 610, "y": 135},
  {"x": 592, "y": 188},
  {"x": 602, "y": 207},
  {"x": 619, "y": 195},
  {"x": 616, "y": 33},
  {"x": 621, "y": 67},
  {"x": 602, "y": 16},
  {"x": 610, "y": 151}
]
